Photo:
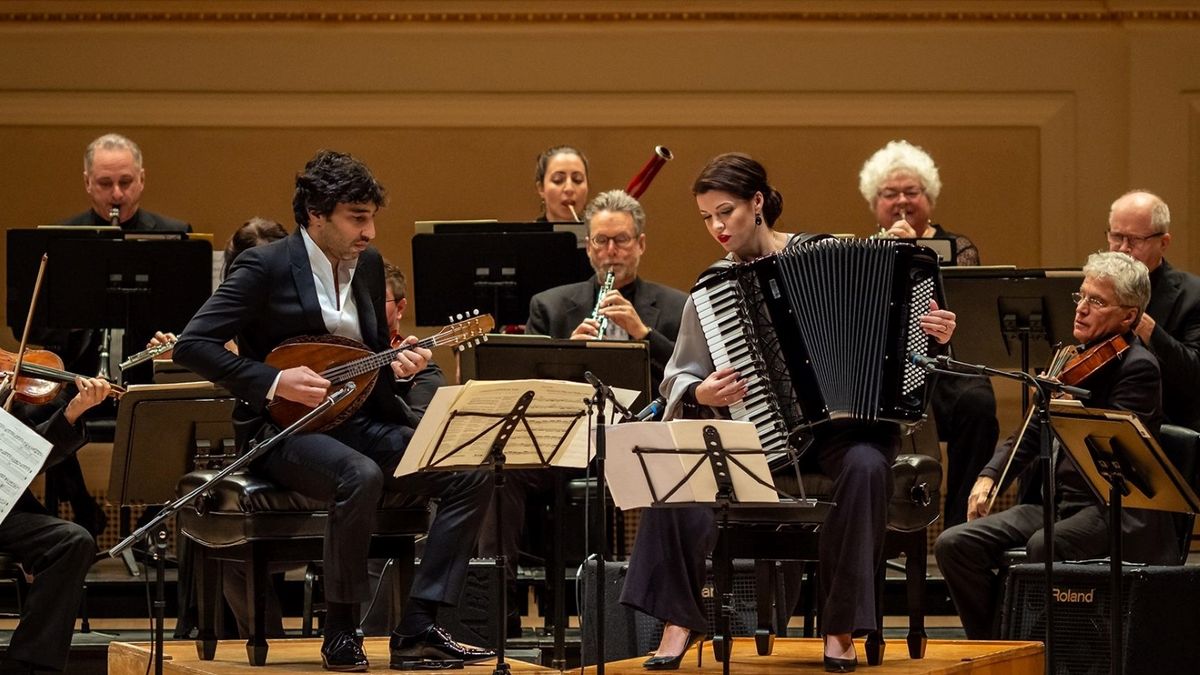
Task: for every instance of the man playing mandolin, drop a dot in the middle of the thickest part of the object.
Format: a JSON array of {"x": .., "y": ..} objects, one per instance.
[
  {"x": 326, "y": 283},
  {"x": 1112, "y": 297}
]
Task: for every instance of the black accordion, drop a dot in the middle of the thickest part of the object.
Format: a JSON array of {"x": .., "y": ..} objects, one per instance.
[{"x": 823, "y": 331}]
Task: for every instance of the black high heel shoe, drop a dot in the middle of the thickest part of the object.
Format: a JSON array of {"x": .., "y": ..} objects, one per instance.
[
  {"x": 833, "y": 665},
  {"x": 672, "y": 662},
  {"x": 836, "y": 665}
]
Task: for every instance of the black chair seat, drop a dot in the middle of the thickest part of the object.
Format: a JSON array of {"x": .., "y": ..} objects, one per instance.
[{"x": 245, "y": 519}]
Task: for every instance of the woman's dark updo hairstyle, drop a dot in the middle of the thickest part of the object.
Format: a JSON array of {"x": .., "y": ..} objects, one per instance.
[
  {"x": 543, "y": 160},
  {"x": 254, "y": 232},
  {"x": 741, "y": 175}
]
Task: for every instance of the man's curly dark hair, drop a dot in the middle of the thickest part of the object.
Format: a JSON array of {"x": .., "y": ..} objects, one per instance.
[{"x": 331, "y": 178}]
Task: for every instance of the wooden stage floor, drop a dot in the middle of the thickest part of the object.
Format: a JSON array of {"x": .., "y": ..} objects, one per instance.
[{"x": 791, "y": 656}]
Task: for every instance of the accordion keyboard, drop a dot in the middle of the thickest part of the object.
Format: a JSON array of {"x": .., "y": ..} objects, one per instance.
[{"x": 720, "y": 307}]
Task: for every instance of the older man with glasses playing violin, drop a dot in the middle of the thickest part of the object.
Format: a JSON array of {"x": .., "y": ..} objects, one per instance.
[
  {"x": 1139, "y": 224},
  {"x": 1110, "y": 302}
]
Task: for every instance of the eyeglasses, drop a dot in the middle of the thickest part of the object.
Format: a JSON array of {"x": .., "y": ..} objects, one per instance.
[
  {"x": 911, "y": 193},
  {"x": 1134, "y": 241},
  {"x": 602, "y": 240},
  {"x": 1092, "y": 301}
]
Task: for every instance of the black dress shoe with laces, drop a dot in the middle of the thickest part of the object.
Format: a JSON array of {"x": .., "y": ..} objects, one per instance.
[
  {"x": 343, "y": 653},
  {"x": 433, "y": 648}
]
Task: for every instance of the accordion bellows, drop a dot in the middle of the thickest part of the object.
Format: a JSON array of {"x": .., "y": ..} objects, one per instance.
[{"x": 823, "y": 331}]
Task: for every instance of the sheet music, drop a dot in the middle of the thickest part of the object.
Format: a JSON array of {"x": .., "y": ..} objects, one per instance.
[
  {"x": 461, "y": 423},
  {"x": 630, "y": 446},
  {"x": 22, "y": 454}
]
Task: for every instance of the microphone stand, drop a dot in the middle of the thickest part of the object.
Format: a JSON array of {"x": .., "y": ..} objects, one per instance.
[
  {"x": 603, "y": 393},
  {"x": 155, "y": 531},
  {"x": 1043, "y": 388}
]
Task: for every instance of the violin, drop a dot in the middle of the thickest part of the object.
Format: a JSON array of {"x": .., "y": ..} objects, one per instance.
[
  {"x": 1070, "y": 366},
  {"x": 1083, "y": 364},
  {"x": 42, "y": 376}
]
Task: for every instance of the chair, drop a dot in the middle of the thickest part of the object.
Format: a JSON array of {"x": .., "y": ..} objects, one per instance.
[
  {"x": 250, "y": 521},
  {"x": 755, "y": 533}
]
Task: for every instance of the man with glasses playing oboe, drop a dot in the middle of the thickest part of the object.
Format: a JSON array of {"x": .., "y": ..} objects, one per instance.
[{"x": 629, "y": 308}]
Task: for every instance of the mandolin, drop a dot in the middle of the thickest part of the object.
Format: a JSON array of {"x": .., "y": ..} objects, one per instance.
[{"x": 341, "y": 360}]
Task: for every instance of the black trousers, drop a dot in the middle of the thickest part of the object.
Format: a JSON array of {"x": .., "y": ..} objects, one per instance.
[
  {"x": 667, "y": 568},
  {"x": 968, "y": 554},
  {"x": 519, "y": 486},
  {"x": 349, "y": 468},
  {"x": 965, "y": 411},
  {"x": 58, "y": 554}
]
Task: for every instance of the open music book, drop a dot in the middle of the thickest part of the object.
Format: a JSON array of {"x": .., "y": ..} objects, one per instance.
[
  {"x": 666, "y": 462},
  {"x": 462, "y": 422}
]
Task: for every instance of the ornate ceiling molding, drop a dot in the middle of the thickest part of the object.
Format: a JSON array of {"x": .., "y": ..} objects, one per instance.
[{"x": 592, "y": 17}]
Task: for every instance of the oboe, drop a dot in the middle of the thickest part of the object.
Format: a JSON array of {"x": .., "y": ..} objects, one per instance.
[
  {"x": 114, "y": 216},
  {"x": 607, "y": 286}
]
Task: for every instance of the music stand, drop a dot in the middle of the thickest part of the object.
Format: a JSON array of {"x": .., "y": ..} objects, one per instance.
[
  {"x": 689, "y": 462},
  {"x": 1125, "y": 467},
  {"x": 618, "y": 363},
  {"x": 1010, "y": 317},
  {"x": 500, "y": 269},
  {"x": 525, "y": 423}
]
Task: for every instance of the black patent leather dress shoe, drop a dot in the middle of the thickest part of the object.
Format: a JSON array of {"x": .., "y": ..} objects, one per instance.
[
  {"x": 672, "y": 662},
  {"x": 343, "y": 653},
  {"x": 433, "y": 648}
]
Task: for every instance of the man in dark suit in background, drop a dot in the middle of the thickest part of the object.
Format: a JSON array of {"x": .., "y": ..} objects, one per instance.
[
  {"x": 1139, "y": 224},
  {"x": 114, "y": 179},
  {"x": 1110, "y": 300},
  {"x": 325, "y": 279},
  {"x": 636, "y": 310}
]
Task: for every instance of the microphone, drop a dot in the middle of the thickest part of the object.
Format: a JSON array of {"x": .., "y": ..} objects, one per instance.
[
  {"x": 653, "y": 411},
  {"x": 923, "y": 361}
]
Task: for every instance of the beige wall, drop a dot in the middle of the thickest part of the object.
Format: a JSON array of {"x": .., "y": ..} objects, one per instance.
[{"x": 1038, "y": 113}]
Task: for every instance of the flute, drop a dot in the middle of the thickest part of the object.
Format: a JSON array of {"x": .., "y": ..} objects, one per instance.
[{"x": 147, "y": 354}]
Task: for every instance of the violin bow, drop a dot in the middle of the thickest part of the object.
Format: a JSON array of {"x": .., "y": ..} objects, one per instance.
[
  {"x": 37, "y": 286},
  {"x": 1060, "y": 358}
]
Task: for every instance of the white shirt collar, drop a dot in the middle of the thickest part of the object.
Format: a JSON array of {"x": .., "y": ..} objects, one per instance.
[{"x": 338, "y": 308}]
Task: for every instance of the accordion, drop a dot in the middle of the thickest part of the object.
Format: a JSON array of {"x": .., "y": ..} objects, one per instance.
[{"x": 822, "y": 331}]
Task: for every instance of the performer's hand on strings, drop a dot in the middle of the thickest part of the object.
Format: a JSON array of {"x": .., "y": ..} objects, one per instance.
[
  {"x": 91, "y": 391},
  {"x": 302, "y": 385},
  {"x": 410, "y": 361}
]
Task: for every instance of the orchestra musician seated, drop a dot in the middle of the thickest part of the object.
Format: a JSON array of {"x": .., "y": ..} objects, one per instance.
[
  {"x": 55, "y": 552},
  {"x": 1109, "y": 303},
  {"x": 630, "y": 308},
  {"x": 739, "y": 208},
  {"x": 561, "y": 178},
  {"x": 1139, "y": 223},
  {"x": 326, "y": 280},
  {"x": 901, "y": 184}
]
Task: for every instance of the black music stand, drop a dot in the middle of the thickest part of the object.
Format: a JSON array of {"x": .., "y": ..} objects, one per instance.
[
  {"x": 501, "y": 270},
  {"x": 682, "y": 463},
  {"x": 1008, "y": 317},
  {"x": 1125, "y": 467},
  {"x": 618, "y": 363},
  {"x": 473, "y": 432}
]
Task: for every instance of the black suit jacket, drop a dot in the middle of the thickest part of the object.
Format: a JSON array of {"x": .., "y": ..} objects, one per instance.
[
  {"x": 1175, "y": 307},
  {"x": 268, "y": 297},
  {"x": 558, "y": 311},
  {"x": 1132, "y": 383},
  {"x": 142, "y": 221}
]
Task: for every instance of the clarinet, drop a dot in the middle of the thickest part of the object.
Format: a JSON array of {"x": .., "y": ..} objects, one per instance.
[{"x": 609, "y": 280}]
